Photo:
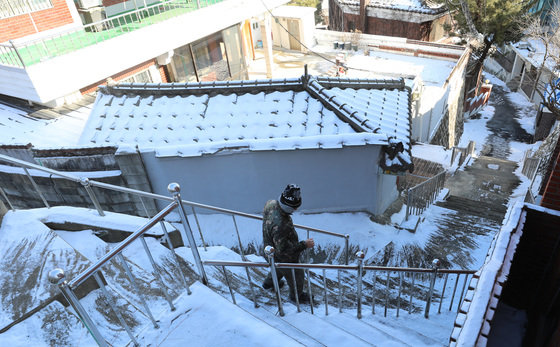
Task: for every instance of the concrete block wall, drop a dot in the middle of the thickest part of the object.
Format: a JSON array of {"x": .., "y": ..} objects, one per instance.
[
  {"x": 135, "y": 176},
  {"x": 99, "y": 164},
  {"x": 62, "y": 192}
]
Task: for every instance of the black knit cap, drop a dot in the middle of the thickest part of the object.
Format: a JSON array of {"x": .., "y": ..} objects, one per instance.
[{"x": 291, "y": 196}]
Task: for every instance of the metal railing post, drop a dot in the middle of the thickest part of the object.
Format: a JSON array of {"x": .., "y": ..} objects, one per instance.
[
  {"x": 435, "y": 264},
  {"x": 175, "y": 256},
  {"x": 36, "y": 187},
  {"x": 360, "y": 255},
  {"x": 199, "y": 229},
  {"x": 269, "y": 251},
  {"x": 411, "y": 291},
  {"x": 408, "y": 207},
  {"x": 309, "y": 291},
  {"x": 157, "y": 274},
  {"x": 346, "y": 249},
  {"x": 400, "y": 291},
  {"x": 373, "y": 292},
  {"x": 442, "y": 293},
  {"x": 229, "y": 285},
  {"x": 17, "y": 53},
  {"x": 293, "y": 271},
  {"x": 387, "y": 292},
  {"x": 242, "y": 257},
  {"x": 326, "y": 293},
  {"x": 112, "y": 304},
  {"x": 6, "y": 198},
  {"x": 175, "y": 189},
  {"x": 462, "y": 293},
  {"x": 85, "y": 182},
  {"x": 135, "y": 286},
  {"x": 339, "y": 293},
  {"x": 454, "y": 290},
  {"x": 57, "y": 277}
]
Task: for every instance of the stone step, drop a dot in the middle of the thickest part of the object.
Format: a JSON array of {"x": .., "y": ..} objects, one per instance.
[
  {"x": 408, "y": 331},
  {"x": 482, "y": 209},
  {"x": 375, "y": 333},
  {"x": 318, "y": 332}
]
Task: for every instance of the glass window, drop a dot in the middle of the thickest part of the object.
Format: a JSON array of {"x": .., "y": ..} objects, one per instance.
[
  {"x": 10, "y": 8},
  {"x": 182, "y": 64},
  {"x": 210, "y": 59},
  {"x": 142, "y": 77},
  {"x": 236, "y": 59}
]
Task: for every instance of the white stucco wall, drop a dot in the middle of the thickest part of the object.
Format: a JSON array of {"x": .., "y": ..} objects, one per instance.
[
  {"x": 333, "y": 180},
  {"x": 305, "y": 16},
  {"x": 60, "y": 76}
]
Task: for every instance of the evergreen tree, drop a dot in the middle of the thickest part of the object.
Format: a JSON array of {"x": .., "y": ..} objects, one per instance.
[{"x": 484, "y": 23}]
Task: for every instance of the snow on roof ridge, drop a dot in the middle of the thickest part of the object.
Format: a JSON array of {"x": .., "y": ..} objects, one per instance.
[
  {"x": 239, "y": 85},
  {"x": 214, "y": 86},
  {"x": 308, "y": 142},
  {"x": 358, "y": 120}
]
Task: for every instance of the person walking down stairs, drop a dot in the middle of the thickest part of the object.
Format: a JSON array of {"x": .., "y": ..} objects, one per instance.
[{"x": 279, "y": 232}]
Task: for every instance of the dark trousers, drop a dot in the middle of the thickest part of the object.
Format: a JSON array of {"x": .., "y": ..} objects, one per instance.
[{"x": 287, "y": 273}]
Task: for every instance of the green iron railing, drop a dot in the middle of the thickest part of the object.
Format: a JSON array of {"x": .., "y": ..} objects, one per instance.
[{"x": 34, "y": 51}]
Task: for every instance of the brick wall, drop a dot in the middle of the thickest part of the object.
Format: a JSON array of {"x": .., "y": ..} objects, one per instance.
[
  {"x": 108, "y": 3},
  {"x": 21, "y": 26},
  {"x": 551, "y": 196},
  {"x": 62, "y": 192},
  {"x": 164, "y": 74},
  {"x": 120, "y": 76}
]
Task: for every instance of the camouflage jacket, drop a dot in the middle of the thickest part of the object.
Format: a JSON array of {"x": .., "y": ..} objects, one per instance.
[{"x": 279, "y": 232}]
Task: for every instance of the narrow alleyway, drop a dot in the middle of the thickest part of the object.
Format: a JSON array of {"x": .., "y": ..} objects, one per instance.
[
  {"x": 479, "y": 195},
  {"x": 503, "y": 125}
]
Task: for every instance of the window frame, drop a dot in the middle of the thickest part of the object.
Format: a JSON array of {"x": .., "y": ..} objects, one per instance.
[{"x": 14, "y": 8}]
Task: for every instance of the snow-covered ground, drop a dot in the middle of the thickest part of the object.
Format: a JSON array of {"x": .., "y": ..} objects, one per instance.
[{"x": 201, "y": 318}]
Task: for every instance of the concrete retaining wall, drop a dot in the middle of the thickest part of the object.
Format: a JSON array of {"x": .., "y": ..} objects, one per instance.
[{"x": 99, "y": 164}]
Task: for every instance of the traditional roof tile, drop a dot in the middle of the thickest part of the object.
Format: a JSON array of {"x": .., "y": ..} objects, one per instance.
[{"x": 203, "y": 118}]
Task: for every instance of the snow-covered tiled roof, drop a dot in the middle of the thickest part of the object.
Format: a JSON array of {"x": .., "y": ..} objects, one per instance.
[
  {"x": 417, "y": 6},
  {"x": 204, "y": 118}
]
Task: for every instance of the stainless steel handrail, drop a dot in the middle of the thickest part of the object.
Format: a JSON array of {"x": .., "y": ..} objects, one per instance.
[
  {"x": 152, "y": 195},
  {"x": 424, "y": 196},
  {"x": 432, "y": 274},
  {"x": 57, "y": 276},
  {"x": 334, "y": 267},
  {"x": 84, "y": 275}
]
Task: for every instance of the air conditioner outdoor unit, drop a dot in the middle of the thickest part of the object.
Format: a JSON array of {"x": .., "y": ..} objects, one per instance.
[{"x": 83, "y": 4}]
